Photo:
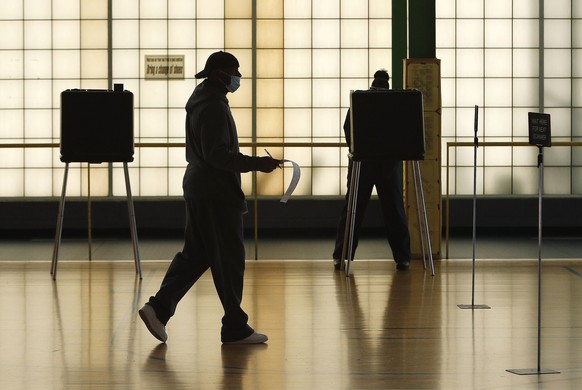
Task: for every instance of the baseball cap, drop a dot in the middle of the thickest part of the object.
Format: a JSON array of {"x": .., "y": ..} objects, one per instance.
[{"x": 217, "y": 60}]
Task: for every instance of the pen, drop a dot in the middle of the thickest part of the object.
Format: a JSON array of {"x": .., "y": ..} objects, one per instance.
[{"x": 269, "y": 154}]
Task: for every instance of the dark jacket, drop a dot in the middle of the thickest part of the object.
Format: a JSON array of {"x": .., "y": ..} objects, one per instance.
[{"x": 212, "y": 150}]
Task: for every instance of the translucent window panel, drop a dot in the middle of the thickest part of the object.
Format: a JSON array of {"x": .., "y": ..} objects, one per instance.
[
  {"x": 12, "y": 94},
  {"x": 94, "y": 9},
  {"x": 238, "y": 33},
  {"x": 497, "y": 180},
  {"x": 525, "y": 33},
  {"x": 128, "y": 9},
  {"x": 464, "y": 178},
  {"x": 445, "y": 9},
  {"x": 557, "y": 63},
  {"x": 326, "y": 33},
  {"x": 11, "y": 34},
  {"x": 326, "y": 63},
  {"x": 126, "y": 64},
  {"x": 94, "y": 34},
  {"x": 37, "y": 94},
  {"x": 498, "y": 63},
  {"x": 175, "y": 178},
  {"x": 326, "y": 92},
  {"x": 270, "y": 63},
  {"x": 297, "y": 33},
  {"x": 269, "y": 123},
  {"x": 271, "y": 183},
  {"x": 182, "y": 9},
  {"x": 11, "y": 158},
  {"x": 13, "y": 177},
  {"x": 561, "y": 122},
  {"x": 37, "y": 64},
  {"x": 380, "y": 34},
  {"x": 525, "y": 92},
  {"x": 348, "y": 85},
  {"x": 525, "y": 63},
  {"x": 269, "y": 93},
  {"x": 66, "y": 34},
  {"x": 448, "y": 60},
  {"x": 445, "y": 33},
  {"x": 244, "y": 122},
  {"x": 557, "y": 156},
  {"x": 496, "y": 156},
  {"x": 557, "y": 33},
  {"x": 177, "y": 124},
  {"x": 465, "y": 121},
  {"x": 498, "y": 9},
  {"x": 525, "y": 156},
  {"x": 304, "y": 185},
  {"x": 525, "y": 9},
  {"x": 296, "y": 61},
  {"x": 38, "y": 158},
  {"x": 94, "y": 66},
  {"x": 12, "y": 64},
  {"x": 37, "y": 182},
  {"x": 209, "y": 34},
  {"x": 577, "y": 33},
  {"x": 295, "y": 94},
  {"x": 118, "y": 180},
  {"x": 354, "y": 9},
  {"x": 448, "y": 92},
  {"x": 469, "y": 92},
  {"x": 557, "y": 180},
  {"x": 297, "y": 122},
  {"x": 498, "y": 122},
  {"x": 354, "y": 33},
  {"x": 558, "y": 9},
  {"x": 210, "y": 9},
  {"x": 178, "y": 93},
  {"x": 37, "y": 34},
  {"x": 326, "y": 9},
  {"x": 469, "y": 9},
  {"x": 244, "y": 9},
  {"x": 154, "y": 157},
  {"x": 153, "y": 34},
  {"x": 177, "y": 158},
  {"x": 498, "y": 33},
  {"x": 498, "y": 92},
  {"x": 126, "y": 34},
  {"x": 326, "y": 123},
  {"x": 469, "y": 33},
  {"x": 12, "y": 123},
  {"x": 354, "y": 63},
  {"x": 153, "y": 93},
  {"x": 11, "y": 11},
  {"x": 153, "y": 9},
  {"x": 66, "y": 64},
  {"x": 380, "y": 9},
  {"x": 153, "y": 123},
  {"x": 469, "y": 63},
  {"x": 379, "y": 59},
  {"x": 270, "y": 34},
  {"x": 38, "y": 124},
  {"x": 520, "y": 126},
  {"x": 577, "y": 93},
  {"x": 325, "y": 181},
  {"x": 243, "y": 96},
  {"x": 37, "y": 9},
  {"x": 557, "y": 93},
  {"x": 297, "y": 9},
  {"x": 153, "y": 181},
  {"x": 448, "y": 122}
]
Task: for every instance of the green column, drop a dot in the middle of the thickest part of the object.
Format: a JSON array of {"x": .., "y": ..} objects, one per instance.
[
  {"x": 399, "y": 42},
  {"x": 422, "y": 29}
]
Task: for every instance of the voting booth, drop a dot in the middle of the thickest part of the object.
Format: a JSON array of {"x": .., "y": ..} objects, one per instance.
[
  {"x": 385, "y": 125},
  {"x": 96, "y": 127}
]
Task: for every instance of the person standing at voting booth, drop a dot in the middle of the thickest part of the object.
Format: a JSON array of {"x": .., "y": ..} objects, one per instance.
[
  {"x": 386, "y": 176},
  {"x": 215, "y": 204}
]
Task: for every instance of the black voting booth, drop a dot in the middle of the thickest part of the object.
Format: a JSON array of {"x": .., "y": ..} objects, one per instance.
[
  {"x": 96, "y": 127},
  {"x": 386, "y": 125}
]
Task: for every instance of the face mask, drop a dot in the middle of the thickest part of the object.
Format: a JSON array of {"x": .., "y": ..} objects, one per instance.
[{"x": 234, "y": 84}]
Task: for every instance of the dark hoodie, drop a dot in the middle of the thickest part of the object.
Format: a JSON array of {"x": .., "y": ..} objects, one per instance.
[{"x": 212, "y": 150}]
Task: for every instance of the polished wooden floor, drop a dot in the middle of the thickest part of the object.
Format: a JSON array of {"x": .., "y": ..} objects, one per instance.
[{"x": 378, "y": 329}]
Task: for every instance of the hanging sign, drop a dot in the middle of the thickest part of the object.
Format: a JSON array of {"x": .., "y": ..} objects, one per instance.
[{"x": 539, "y": 129}]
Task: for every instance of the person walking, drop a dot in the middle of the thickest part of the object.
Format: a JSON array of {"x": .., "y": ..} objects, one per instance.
[{"x": 215, "y": 204}]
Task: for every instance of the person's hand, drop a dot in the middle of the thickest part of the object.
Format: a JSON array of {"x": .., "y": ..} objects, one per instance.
[{"x": 268, "y": 164}]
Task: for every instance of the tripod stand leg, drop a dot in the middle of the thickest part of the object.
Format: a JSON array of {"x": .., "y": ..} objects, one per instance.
[
  {"x": 354, "y": 183},
  {"x": 59, "y": 230},
  {"x": 418, "y": 215},
  {"x": 426, "y": 228},
  {"x": 132, "y": 224}
]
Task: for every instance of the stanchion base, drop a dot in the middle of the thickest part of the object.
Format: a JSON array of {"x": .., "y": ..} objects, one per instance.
[
  {"x": 532, "y": 371},
  {"x": 474, "y": 306}
]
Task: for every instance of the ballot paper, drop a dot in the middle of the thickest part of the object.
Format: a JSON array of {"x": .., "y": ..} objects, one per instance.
[{"x": 294, "y": 180}]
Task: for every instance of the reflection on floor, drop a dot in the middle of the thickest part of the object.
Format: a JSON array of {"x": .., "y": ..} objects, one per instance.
[{"x": 377, "y": 329}]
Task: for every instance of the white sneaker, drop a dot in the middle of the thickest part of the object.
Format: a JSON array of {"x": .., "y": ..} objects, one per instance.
[
  {"x": 255, "y": 338},
  {"x": 151, "y": 321}
]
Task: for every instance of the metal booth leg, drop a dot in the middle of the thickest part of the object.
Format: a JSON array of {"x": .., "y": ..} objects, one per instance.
[
  {"x": 351, "y": 214},
  {"x": 132, "y": 224},
  {"x": 58, "y": 234},
  {"x": 420, "y": 190}
]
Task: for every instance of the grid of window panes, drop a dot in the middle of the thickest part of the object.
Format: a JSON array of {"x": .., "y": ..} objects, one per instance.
[
  {"x": 306, "y": 56},
  {"x": 490, "y": 54}
]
